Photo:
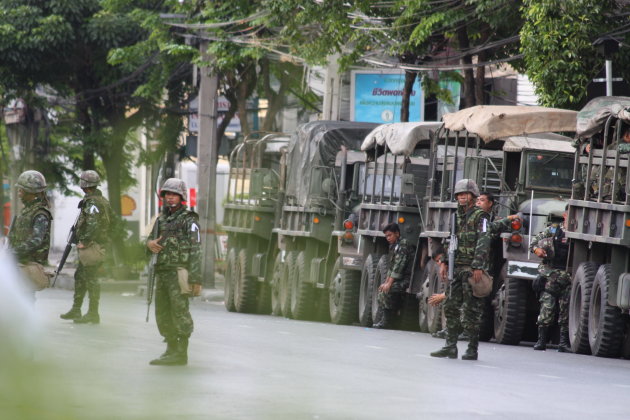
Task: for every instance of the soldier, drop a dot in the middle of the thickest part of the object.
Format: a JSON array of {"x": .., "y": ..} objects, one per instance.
[
  {"x": 29, "y": 238},
  {"x": 178, "y": 271},
  {"x": 92, "y": 241},
  {"x": 551, "y": 245},
  {"x": 463, "y": 311},
  {"x": 391, "y": 292},
  {"x": 623, "y": 147}
]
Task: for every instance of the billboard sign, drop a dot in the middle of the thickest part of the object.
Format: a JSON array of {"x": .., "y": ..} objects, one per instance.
[{"x": 376, "y": 96}]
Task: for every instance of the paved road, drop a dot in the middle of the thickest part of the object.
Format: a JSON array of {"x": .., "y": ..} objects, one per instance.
[{"x": 262, "y": 367}]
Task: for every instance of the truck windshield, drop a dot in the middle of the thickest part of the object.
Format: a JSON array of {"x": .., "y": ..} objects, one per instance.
[{"x": 549, "y": 170}]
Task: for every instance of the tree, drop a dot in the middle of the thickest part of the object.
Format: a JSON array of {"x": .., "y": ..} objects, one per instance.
[{"x": 557, "y": 44}]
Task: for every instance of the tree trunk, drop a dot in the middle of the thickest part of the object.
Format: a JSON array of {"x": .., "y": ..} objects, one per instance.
[
  {"x": 468, "y": 90},
  {"x": 410, "y": 79},
  {"x": 480, "y": 75}
]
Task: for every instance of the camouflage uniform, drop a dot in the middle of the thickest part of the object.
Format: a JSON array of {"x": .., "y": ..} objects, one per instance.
[
  {"x": 558, "y": 288},
  {"x": 29, "y": 238},
  {"x": 181, "y": 242},
  {"x": 463, "y": 311},
  {"x": 622, "y": 148},
  {"x": 92, "y": 228},
  {"x": 399, "y": 268}
]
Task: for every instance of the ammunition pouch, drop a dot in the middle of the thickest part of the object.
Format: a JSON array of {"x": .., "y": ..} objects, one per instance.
[
  {"x": 93, "y": 254},
  {"x": 35, "y": 273},
  {"x": 182, "y": 278}
]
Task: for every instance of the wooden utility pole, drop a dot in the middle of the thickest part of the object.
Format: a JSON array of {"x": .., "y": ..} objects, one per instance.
[{"x": 207, "y": 166}]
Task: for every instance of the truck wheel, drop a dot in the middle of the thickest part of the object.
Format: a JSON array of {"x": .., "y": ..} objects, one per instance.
[
  {"x": 510, "y": 303},
  {"x": 285, "y": 284},
  {"x": 380, "y": 278},
  {"x": 276, "y": 282},
  {"x": 343, "y": 295},
  {"x": 605, "y": 325},
  {"x": 245, "y": 287},
  {"x": 365, "y": 290},
  {"x": 228, "y": 287},
  {"x": 423, "y": 297},
  {"x": 434, "y": 313},
  {"x": 301, "y": 290},
  {"x": 579, "y": 304}
]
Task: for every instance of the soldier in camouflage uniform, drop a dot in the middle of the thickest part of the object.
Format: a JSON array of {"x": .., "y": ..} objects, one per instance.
[
  {"x": 29, "y": 238},
  {"x": 551, "y": 245},
  {"x": 392, "y": 292},
  {"x": 92, "y": 230},
  {"x": 177, "y": 242},
  {"x": 623, "y": 147},
  {"x": 463, "y": 311}
]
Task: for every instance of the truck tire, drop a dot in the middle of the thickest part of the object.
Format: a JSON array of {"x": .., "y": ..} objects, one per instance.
[
  {"x": 579, "y": 304},
  {"x": 423, "y": 297},
  {"x": 285, "y": 284},
  {"x": 302, "y": 304},
  {"x": 245, "y": 287},
  {"x": 510, "y": 304},
  {"x": 380, "y": 278},
  {"x": 365, "y": 290},
  {"x": 343, "y": 295},
  {"x": 409, "y": 313},
  {"x": 276, "y": 282},
  {"x": 228, "y": 286},
  {"x": 434, "y": 313},
  {"x": 605, "y": 325}
]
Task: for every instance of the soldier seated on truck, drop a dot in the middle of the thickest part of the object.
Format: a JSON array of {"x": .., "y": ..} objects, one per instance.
[
  {"x": 392, "y": 292},
  {"x": 623, "y": 147}
]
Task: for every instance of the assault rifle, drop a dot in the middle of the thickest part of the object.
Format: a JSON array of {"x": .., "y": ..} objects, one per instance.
[
  {"x": 72, "y": 239},
  {"x": 151, "y": 270},
  {"x": 452, "y": 247}
]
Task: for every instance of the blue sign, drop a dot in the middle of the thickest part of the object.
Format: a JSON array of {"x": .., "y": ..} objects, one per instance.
[{"x": 377, "y": 97}]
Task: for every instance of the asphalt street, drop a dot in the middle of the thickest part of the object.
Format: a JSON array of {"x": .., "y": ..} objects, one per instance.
[{"x": 263, "y": 367}]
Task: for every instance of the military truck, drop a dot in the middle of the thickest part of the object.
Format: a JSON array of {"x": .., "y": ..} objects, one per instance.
[
  {"x": 513, "y": 152},
  {"x": 598, "y": 228},
  {"x": 322, "y": 169},
  {"x": 252, "y": 204},
  {"x": 396, "y": 160}
]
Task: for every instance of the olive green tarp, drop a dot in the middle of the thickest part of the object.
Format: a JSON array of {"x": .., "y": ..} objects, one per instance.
[{"x": 592, "y": 118}]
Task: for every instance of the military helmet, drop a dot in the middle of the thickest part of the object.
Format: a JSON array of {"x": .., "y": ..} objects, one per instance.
[
  {"x": 175, "y": 185},
  {"x": 466, "y": 185},
  {"x": 89, "y": 179},
  {"x": 32, "y": 182},
  {"x": 547, "y": 245}
]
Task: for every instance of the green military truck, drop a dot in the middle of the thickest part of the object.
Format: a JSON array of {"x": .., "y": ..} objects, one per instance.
[
  {"x": 396, "y": 162},
  {"x": 322, "y": 170},
  {"x": 513, "y": 152},
  {"x": 251, "y": 210},
  {"x": 598, "y": 228}
]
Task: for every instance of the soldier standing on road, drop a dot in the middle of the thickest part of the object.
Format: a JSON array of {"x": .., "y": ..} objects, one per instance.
[
  {"x": 463, "y": 311},
  {"x": 178, "y": 271},
  {"x": 29, "y": 238},
  {"x": 391, "y": 293},
  {"x": 551, "y": 245},
  {"x": 92, "y": 230}
]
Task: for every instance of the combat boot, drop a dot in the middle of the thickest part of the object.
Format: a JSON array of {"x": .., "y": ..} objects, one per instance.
[
  {"x": 171, "y": 347},
  {"x": 450, "y": 348},
  {"x": 473, "y": 346},
  {"x": 564, "y": 346},
  {"x": 177, "y": 358},
  {"x": 72, "y": 314},
  {"x": 92, "y": 316},
  {"x": 385, "y": 321},
  {"x": 541, "y": 344}
]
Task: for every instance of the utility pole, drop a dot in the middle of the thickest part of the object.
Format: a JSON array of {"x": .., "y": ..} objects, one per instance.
[
  {"x": 332, "y": 96},
  {"x": 207, "y": 166}
]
